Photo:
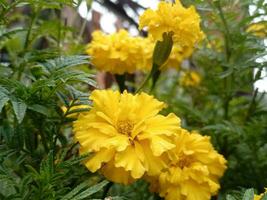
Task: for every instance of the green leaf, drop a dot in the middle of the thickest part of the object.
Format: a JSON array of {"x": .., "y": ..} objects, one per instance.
[
  {"x": 264, "y": 197},
  {"x": 249, "y": 194},
  {"x": 65, "y": 61},
  {"x": 19, "y": 108},
  {"x": 40, "y": 109},
  {"x": 78, "y": 110},
  {"x": 86, "y": 193},
  {"x": 3, "y": 97},
  {"x": 76, "y": 190},
  {"x": 230, "y": 197}
]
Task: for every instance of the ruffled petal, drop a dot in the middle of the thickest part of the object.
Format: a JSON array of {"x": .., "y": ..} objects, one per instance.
[
  {"x": 116, "y": 174},
  {"x": 130, "y": 161},
  {"x": 103, "y": 156}
]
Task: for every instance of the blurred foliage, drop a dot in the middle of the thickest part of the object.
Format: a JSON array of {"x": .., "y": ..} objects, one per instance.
[{"x": 42, "y": 69}]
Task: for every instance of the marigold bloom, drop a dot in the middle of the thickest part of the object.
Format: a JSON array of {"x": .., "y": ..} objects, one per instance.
[
  {"x": 126, "y": 135},
  {"x": 117, "y": 53},
  {"x": 190, "y": 79},
  {"x": 183, "y": 22},
  {"x": 194, "y": 168}
]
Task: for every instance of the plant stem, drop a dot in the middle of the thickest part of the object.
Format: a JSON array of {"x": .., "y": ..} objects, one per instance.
[
  {"x": 27, "y": 40},
  {"x": 144, "y": 83},
  {"x": 229, "y": 79},
  {"x": 251, "y": 105},
  {"x": 121, "y": 81},
  {"x": 106, "y": 189}
]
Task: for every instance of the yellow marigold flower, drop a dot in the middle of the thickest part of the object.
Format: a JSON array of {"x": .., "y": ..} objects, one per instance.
[
  {"x": 117, "y": 53},
  {"x": 126, "y": 135},
  {"x": 194, "y": 168},
  {"x": 183, "y": 22},
  {"x": 258, "y": 29},
  {"x": 258, "y": 197},
  {"x": 190, "y": 79}
]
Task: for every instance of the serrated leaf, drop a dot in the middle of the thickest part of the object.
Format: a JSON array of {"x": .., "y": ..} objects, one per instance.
[
  {"x": 78, "y": 110},
  {"x": 90, "y": 191},
  {"x": 3, "y": 98},
  {"x": 40, "y": 109},
  {"x": 248, "y": 195},
  {"x": 230, "y": 197},
  {"x": 66, "y": 61},
  {"x": 75, "y": 191},
  {"x": 19, "y": 108}
]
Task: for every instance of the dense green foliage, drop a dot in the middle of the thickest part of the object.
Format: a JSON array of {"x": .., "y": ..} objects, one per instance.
[{"x": 42, "y": 68}]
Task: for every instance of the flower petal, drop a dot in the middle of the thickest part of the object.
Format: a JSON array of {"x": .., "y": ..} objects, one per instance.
[
  {"x": 130, "y": 161},
  {"x": 103, "y": 156}
]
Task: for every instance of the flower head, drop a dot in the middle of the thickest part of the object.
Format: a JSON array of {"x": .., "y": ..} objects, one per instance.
[
  {"x": 117, "y": 53},
  {"x": 183, "y": 22},
  {"x": 126, "y": 135},
  {"x": 192, "y": 171}
]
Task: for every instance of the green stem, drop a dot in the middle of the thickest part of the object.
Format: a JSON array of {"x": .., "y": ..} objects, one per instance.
[
  {"x": 43, "y": 139},
  {"x": 27, "y": 40},
  {"x": 121, "y": 81},
  {"x": 144, "y": 83},
  {"x": 58, "y": 15},
  {"x": 252, "y": 105},
  {"x": 106, "y": 189},
  {"x": 227, "y": 32},
  {"x": 229, "y": 79}
]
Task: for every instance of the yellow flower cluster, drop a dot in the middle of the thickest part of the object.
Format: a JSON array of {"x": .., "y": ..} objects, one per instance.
[
  {"x": 129, "y": 141},
  {"x": 193, "y": 169},
  {"x": 190, "y": 79},
  {"x": 117, "y": 53},
  {"x": 183, "y": 22},
  {"x": 259, "y": 197},
  {"x": 120, "y": 53}
]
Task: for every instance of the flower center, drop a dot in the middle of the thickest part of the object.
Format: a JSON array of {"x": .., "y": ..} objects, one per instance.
[
  {"x": 184, "y": 161},
  {"x": 125, "y": 127}
]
